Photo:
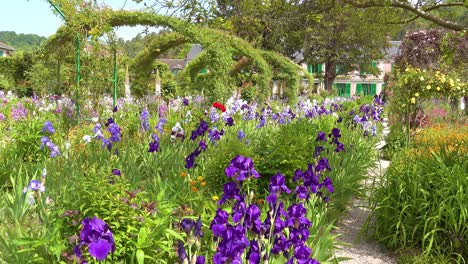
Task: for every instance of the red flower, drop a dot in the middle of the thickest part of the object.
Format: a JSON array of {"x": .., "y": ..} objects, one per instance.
[{"x": 220, "y": 106}]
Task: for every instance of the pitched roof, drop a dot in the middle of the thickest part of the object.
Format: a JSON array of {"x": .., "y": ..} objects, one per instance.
[
  {"x": 174, "y": 63},
  {"x": 194, "y": 51},
  {"x": 5, "y": 46}
]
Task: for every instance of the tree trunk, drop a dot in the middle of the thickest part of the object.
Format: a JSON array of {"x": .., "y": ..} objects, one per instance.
[{"x": 330, "y": 75}]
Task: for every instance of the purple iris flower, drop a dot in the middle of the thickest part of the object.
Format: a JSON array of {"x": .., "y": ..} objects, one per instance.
[
  {"x": 202, "y": 145},
  {"x": 154, "y": 144},
  {"x": 46, "y": 142},
  {"x": 185, "y": 102},
  {"x": 187, "y": 225},
  {"x": 48, "y": 128},
  {"x": 240, "y": 135},
  {"x": 323, "y": 165},
  {"x": 144, "y": 119},
  {"x": 190, "y": 160},
  {"x": 231, "y": 191},
  {"x": 160, "y": 125},
  {"x": 34, "y": 185},
  {"x": 109, "y": 121},
  {"x": 336, "y": 133},
  {"x": 302, "y": 192},
  {"x": 327, "y": 182},
  {"x": 200, "y": 131},
  {"x": 200, "y": 260},
  {"x": 116, "y": 172},
  {"x": 215, "y": 135},
  {"x": 98, "y": 237},
  {"x": 229, "y": 121},
  {"x": 115, "y": 109},
  {"x": 318, "y": 150},
  {"x": 197, "y": 231},
  {"x": 218, "y": 223},
  {"x": 339, "y": 147},
  {"x": 181, "y": 251},
  {"x": 241, "y": 167},
  {"x": 321, "y": 137}
]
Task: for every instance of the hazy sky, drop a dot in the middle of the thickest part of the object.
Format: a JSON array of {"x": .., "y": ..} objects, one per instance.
[{"x": 37, "y": 17}]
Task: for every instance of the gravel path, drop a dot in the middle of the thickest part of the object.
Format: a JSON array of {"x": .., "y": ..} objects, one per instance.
[{"x": 356, "y": 249}]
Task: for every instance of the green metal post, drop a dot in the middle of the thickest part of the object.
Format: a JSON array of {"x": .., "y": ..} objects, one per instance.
[
  {"x": 78, "y": 72},
  {"x": 115, "y": 78},
  {"x": 57, "y": 9}
]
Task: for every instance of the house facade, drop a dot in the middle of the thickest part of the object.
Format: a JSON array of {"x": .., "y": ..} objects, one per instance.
[
  {"x": 349, "y": 84},
  {"x": 5, "y": 50}
]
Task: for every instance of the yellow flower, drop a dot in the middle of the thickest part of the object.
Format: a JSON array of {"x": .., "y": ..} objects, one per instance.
[
  {"x": 413, "y": 100},
  {"x": 421, "y": 78},
  {"x": 215, "y": 197},
  {"x": 428, "y": 87},
  {"x": 200, "y": 178},
  {"x": 451, "y": 82},
  {"x": 438, "y": 88},
  {"x": 416, "y": 94}
]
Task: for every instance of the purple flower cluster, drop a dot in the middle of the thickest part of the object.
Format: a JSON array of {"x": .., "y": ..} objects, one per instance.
[
  {"x": 54, "y": 151},
  {"x": 190, "y": 159},
  {"x": 48, "y": 128},
  {"x": 160, "y": 126},
  {"x": 200, "y": 131},
  {"x": 241, "y": 168},
  {"x": 115, "y": 134},
  {"x": 242, "y": 233},
  {"x": 97, "y": 237},
  {"x": 144, "y": 120},
  {"x": 154, "y": 144},
  {"x": 34, "y": 185},
  {"x": 20, "y": 112},
  {"x": 215, "y": 135},
  {"x": 193, "y": 230},
  {"x": 370, "y": 114}
]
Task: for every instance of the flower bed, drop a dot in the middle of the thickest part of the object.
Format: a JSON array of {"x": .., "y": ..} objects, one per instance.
[{"x": 187, "y": 182}]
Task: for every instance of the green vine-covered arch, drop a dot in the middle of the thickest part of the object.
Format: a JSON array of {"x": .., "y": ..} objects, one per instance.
[{"x": 221, "y": 52}]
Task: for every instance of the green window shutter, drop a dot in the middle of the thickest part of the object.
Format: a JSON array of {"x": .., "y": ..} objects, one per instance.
[
  {"x": 348, "y": 90},
  {"x": 359, "y": 88},
  {"x": 1, "y": 53},
  {"x": 373, "y": 89},
  {"x": 309, "y": 68},
  {"x": 319, "y": 68}
]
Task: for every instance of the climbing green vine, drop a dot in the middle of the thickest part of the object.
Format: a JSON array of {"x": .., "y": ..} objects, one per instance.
[{"x": 221, "y": 52}]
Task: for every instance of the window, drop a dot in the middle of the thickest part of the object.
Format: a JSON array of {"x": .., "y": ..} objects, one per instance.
[
  {"x": 366, "y": 89},
  {"x": 1, "y": 53},
  {"x": 314, "y": 68},
  {"x": 344, "y": 89}
]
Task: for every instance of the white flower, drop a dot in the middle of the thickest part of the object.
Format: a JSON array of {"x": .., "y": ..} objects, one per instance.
[
  {"x": 95, "y": 119},
  {"x": 30, "y": 199},
  {"x": 87, "y": 139}
]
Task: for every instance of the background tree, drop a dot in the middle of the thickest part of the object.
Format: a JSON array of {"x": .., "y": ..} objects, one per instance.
[
  {"x": 347, "y": 36},
  {"x": 439, "y": 12}
]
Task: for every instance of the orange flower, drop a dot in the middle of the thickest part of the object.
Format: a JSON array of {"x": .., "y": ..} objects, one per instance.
[
  {"x": 183, "y": 174},
  {"x": 203, "y": 183},
  {"x": 192, "y": 182},
  {"x": 194, "y": 189}
]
